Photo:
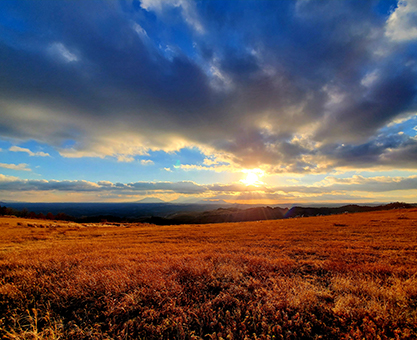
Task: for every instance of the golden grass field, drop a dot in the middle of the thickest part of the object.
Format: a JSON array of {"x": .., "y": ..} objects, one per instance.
[{"x": 350, "y": 276}]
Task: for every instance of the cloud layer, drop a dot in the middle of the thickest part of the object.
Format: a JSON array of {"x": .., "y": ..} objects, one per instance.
[
  {"x": 331, "y": 188},
  {"x": 290, "y": 86},
  {"x": 29, "y": 152}
]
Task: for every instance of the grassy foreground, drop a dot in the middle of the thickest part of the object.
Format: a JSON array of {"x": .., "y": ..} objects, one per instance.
[{"x": 350, "y": 276}]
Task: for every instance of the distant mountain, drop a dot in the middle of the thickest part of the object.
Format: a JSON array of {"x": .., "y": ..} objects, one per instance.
[
  {"x": 221, "y": 215},
  {"x": 350, "y": 208},
  {"x": 156, "y": 211},
  {"x": 235, "y": 214},
  {"x": 131, "y": 210},
  {"x": 9, "y": 201},
  {"x": 151, "y": 200}
]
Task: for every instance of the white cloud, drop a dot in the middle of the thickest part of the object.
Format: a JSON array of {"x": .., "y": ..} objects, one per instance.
[
  {"x": 152, "y": 5},
  {"x": 184, "y": 187},
  {"x": 21, "y": 166},
  {"x": 208, "y": 161},
  {"x": 5, "y": 178},
  {"x": 108, "y": 144},
  {"x": 370, "y": 78},
  {"x": 402, "y": 23},
  {"x": 72, "y": 153},
  {"x": 219, "y": 81},
  {"x": 143, "y": 35},
  {"x": 216, "y": 168},
  {"x": 140, "y": 30},
  {"x": 403, "y": 118},
  {"x": 355, "y": 183},
  {"x": 190, "y": 15},
  {"x": 330, "y": 187},
  {"x": 125, "y": 158},
  {"x": 146, "y": 162},
  {"x": 188, "y": 10},
  {"x": 105, "y": 183},
  {"x": 60, "y": 51},
  {"x": 30, "y": 153},
  {"x": 124, "y": 102}
]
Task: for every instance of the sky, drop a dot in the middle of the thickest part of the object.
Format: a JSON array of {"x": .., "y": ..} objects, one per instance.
[{"x": 243, "y": 101}]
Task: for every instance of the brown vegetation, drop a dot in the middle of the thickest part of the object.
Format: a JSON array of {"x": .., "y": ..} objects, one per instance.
[{"x": 350, "y": 276}]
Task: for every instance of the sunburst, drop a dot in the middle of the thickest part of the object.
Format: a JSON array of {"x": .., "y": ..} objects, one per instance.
[{"x": 253, "y": 177}]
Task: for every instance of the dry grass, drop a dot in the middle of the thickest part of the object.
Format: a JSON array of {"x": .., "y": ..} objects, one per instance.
[{"x": 337, "y": 277}]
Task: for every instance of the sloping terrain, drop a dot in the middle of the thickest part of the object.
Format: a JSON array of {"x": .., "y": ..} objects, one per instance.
[
  {"x": 169, "y": 214},
  {"x": 235, "y": 214},
  {"x": 349, "y": 276}
]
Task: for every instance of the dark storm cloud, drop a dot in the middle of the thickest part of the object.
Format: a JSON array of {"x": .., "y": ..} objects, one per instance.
[
  {"x": 263, "y": 81},
  {"x": 361, "y": 114},
  {"x": 385, "y": 150}
]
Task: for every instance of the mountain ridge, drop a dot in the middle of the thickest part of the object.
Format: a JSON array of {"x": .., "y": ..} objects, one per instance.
[{"x": 174, "y": 214}]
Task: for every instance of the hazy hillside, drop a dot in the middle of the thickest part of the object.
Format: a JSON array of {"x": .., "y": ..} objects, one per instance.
[
  {"x": 222, "y": 215},
  {"x": 234, "y": 214},
  {"x": 120, "y": 210},
  {"x": 167, "y": 213}
]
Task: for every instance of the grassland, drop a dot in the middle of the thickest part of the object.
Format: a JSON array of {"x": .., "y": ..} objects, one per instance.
[{"x": 350, "y": 276}]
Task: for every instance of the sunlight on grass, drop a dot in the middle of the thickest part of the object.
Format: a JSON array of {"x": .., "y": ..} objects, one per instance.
[{"x": 304, "y": 278}]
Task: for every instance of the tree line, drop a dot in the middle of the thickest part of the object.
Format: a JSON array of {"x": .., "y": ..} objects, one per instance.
[{"x": 6, "y": 211}]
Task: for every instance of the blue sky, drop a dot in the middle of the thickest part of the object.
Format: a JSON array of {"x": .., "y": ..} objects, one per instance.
[{"x": 245, "y": 101}]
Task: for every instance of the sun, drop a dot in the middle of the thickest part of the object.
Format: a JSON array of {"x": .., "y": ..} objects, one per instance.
[{"x": 253, "y": 177}]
